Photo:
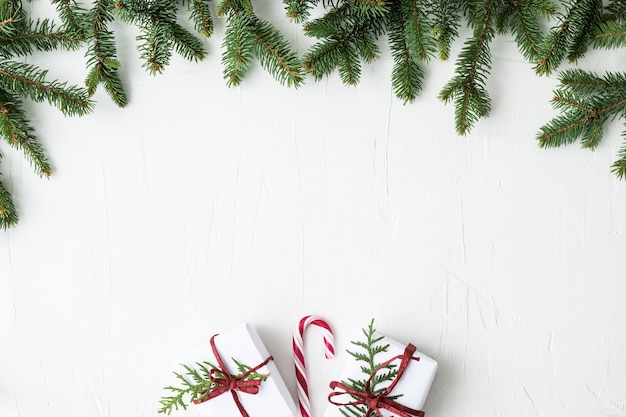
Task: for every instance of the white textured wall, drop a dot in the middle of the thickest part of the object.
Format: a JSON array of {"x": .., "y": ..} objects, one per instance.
[{"x": 199, "y": 207}]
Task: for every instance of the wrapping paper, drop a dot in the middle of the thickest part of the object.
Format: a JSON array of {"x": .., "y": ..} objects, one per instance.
[
  {"x": 413, "y": 385},
  {"x": 244, "y": 344}
]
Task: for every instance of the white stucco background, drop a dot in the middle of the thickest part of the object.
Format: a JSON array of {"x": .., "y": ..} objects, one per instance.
[{"x": 199, "y": 207}]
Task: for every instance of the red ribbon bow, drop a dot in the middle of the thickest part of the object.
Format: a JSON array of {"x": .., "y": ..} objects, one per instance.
[
  {"x": 379, "y": 401},
  {"x": 223, "y": 382}
]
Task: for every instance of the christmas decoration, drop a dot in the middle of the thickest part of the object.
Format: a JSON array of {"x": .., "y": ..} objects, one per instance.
[
  {"x": 298, "y": 356},
  {"x": 250, "y": 377},
  {"x": 385, "y": 379},
  {"x": 349, "y": 33}
]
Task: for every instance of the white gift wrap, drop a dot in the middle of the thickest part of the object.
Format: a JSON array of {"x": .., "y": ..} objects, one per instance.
[
  {"x": 413, "y": 385},
  {"x": 243, "y": 344}
]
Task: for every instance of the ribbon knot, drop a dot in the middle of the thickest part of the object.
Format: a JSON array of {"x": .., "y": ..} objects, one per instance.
[
  {"x": 376, "y": 402},
  {"x": 222, "y": 381}
]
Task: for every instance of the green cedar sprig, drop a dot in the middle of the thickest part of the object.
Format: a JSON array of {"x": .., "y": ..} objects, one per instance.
[
  {"x": 368, "y": 350},
  {"x": 196, "y": 384}
]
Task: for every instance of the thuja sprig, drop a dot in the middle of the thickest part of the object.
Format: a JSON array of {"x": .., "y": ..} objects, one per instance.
[
  {"x": 366, "y": 355},
  {"x": 195, "y": 384}
]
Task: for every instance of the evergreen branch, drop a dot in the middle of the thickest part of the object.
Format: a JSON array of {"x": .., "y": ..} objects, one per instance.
[
  {"x": 619, "y": 166},
  {"x": 467, "y": 87},
  {"x": 238, "y": 48},
  {"x": 299, "y": 10},
  {"x": 577, "y": 123},
  {"x": 201, "y": 15},
  {"x": 586, "y": 102},
  {"x": 587, "y": 21},
  {"x": 27, "y": 80},
  {"x": 186, "y": 45},
  {"x": 275, "y": 54},
  {"x": 610, "y": 35},
  {"x": 616, "y": 10},
  {"x": 40, "y": 36},
  {"x": 8, "y": 216},
  {"x": 73, "y": 16},
  {"x": 234, "y": 7},
  {"x": 349, "y": 65},
  {"x": 102, "y": 63},
  {"x": 571, "y": 37},
  {"x": 521, "y": 18},
  {"x": 446, "y": 18},
  {"x": 407, "y": 75},
  {"x": 370, "y": 348},
  {"x": 322, "y": 59},
  {"x": 16, "y": 132},
  {"x": 417, "y": 29}
]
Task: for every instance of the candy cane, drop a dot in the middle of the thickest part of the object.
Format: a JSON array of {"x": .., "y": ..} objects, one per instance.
[{"x": 298, "y": 356}]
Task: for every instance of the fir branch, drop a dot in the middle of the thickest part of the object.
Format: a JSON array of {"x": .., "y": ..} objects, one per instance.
[
  {"x": 159, "y": 32},
  {"x": 200, "y": 14},
  {"x": 615, "y": 10},
  {"x": 610, "y": 35},
  {"x": 522, "y": 19},
  {"x": 40, "y": 36},
  {"x": 467, "y": 87},
  {"x": 587, "y": 22},
  {"x": 8, "y": 216},
  {"x": 586, "y": 101},
  {"x": 299, "y": 10},
  {"x": 446, "y": 17},
  {"x": 619, "y": 166},
  {"x": 349, "y": 66},
  {"x": 571, "y": 37},
  {"x": 238, "y": 49},
  {"x": 322, "y": 58},
  {"x": 27, "y": 80},
  {"x": 348, "y": 32},
  {"x": 417, "y": 30},
  {"x": 74, "y": 18},
  {"x": 185, "y": 44},
  {"x": 234, "y": 7},
  {"x": 16, "y": 131},
  {"x": 102, "y": 62}
]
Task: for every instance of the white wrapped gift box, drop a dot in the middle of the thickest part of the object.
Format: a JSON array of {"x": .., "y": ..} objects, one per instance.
[{"x": 244, "y": 345}]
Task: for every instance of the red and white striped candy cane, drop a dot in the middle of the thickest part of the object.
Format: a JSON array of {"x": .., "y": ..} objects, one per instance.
[{"x": 298, "y": 356}]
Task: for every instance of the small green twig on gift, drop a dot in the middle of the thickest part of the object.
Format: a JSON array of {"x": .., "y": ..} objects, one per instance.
[
  {"x": 370, "y": 348},
  {"x": 245, "y": 368},
  {"x": 196, "y": 384}
]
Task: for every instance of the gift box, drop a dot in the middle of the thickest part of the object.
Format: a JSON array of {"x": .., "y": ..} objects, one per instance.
[
  {"x": 244, "y": 346},
  {"x": 406, "y": 392}
]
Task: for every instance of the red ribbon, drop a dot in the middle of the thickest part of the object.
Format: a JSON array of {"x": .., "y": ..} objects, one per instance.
[
  {"x": 223, "y": 382},
  {"x": 376, "y": 402}
]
